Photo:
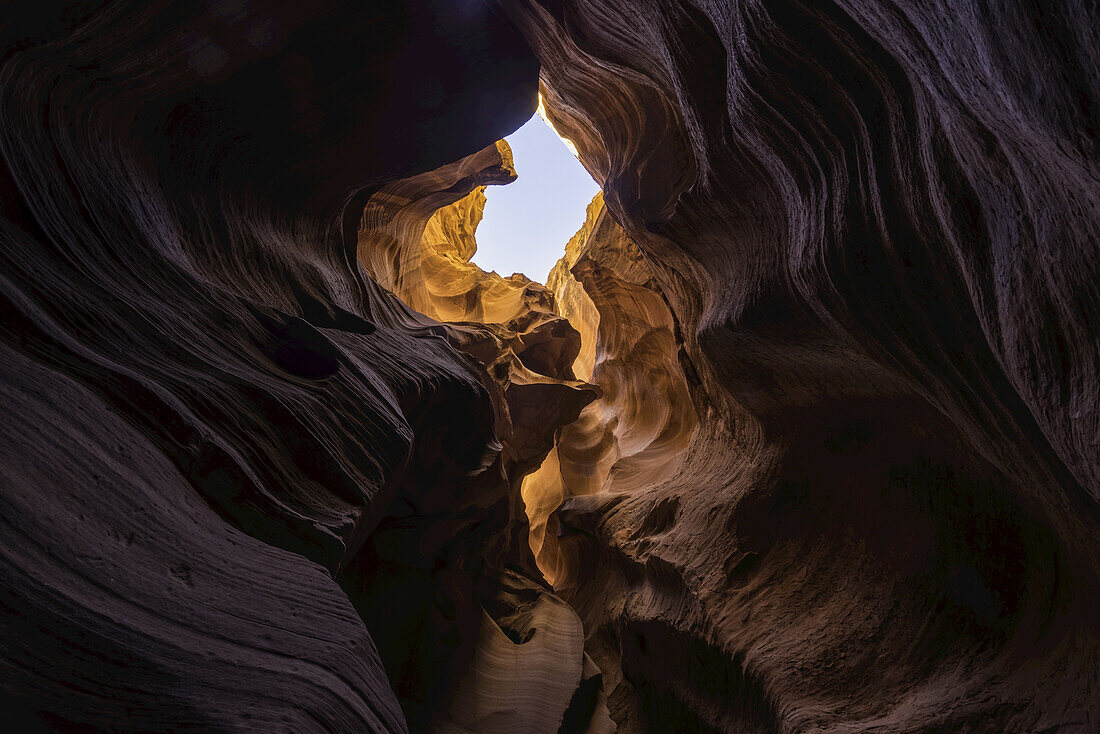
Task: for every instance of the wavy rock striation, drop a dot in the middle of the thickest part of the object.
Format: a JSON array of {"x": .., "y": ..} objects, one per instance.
[
  {"x": 631, "y": 438},
  {"x": 227, "y": 453},
  {"x": 832, "y": 462},
  {"x": 497, "y": 651},
  {"x": 875, "y": 225}
]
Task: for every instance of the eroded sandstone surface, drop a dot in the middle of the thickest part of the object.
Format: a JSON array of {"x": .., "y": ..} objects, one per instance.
[
  {"x": 878, "y": 242},
  {"x": 802, "y": 434},
  {"x": 496, "y": 650}
]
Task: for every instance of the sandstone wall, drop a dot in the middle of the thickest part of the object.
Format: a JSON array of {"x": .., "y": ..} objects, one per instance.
[
  {"x": 875, "y": 224},
  {"x": 831, "y": 462}
]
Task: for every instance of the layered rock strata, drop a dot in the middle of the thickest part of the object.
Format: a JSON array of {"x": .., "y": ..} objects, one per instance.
[
  {"x": 875, "y": 224},
  {"x": 215, "y": 423},
  {"x": 631, "y": 438},
  {"x": 831, "y": 463},
  {"x": 497, "y": 651}
]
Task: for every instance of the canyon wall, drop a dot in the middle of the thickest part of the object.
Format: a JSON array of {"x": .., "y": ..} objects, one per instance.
[
  {"x": 818, "y": 452},
  {"x": 228, "y": 453},
  {"x": 450, "y": 566},
  {"x": 631, "y": 438},
  {"x": 875, "y": 225}
]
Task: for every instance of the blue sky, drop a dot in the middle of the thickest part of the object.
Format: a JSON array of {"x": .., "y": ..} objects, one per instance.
[{"x": 527, "y": 222}]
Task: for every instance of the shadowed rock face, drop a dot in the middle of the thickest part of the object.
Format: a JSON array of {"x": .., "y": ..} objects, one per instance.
[
  {"x": 450, "y": 566},
  {"x": 275, "y": 453},
  {"x": 875, "y": 224},
  {"x": 208, "y": 408}
]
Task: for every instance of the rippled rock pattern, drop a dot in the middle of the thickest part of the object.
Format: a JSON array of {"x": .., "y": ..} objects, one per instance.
[
  {"x": 215, "y": 423},
  {"x": 634, "y": 435},
  {"x": 496, "y": 651},
  {"x": 875, "y": 224},
  {"x": 819, "y": 453}
]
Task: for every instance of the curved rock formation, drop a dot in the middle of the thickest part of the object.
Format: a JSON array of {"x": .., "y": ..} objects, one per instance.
[
  {"x": 209, "y": 409},
  {"x": 831, "y": 464},
  {"x": 632, "y": 438},
  {"x": 876, "y": 224},
  {"x": 497, "y": 652}
]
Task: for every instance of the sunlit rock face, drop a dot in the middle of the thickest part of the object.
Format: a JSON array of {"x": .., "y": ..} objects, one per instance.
[
  {"x": 417, "y": 238},
  {"x": 633, "y": 436},
  {"x": 226, "y": 452},
  {"x": 875, "y": 224},
  {"x": 450, "y": 565}
]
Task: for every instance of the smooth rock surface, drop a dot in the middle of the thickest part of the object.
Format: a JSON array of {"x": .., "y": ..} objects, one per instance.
[
  {"x": 875, "y": 224},
  {"x": 208, "y": 408},
  {"x": 496, "y": 651},
  {"x": 819, "y": 451}
]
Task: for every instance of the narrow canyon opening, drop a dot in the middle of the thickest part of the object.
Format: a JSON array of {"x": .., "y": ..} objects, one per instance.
[
  {"x": 595, "y": 343},
  {"x": 526, "y": 223},
  {"x": 794, "y": 429}
]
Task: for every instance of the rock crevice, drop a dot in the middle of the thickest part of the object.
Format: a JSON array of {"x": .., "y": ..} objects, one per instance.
[{"x": 801, "y": 434}]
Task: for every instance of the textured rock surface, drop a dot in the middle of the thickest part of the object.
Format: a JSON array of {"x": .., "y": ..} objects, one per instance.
[
  {"x": 496, "y": 651},
  {"x": 265, "y": 426},
  {"x": 207, "y": 407},
  {"x": 875, "y": 223},
  {"x": 632, "y": 437}
]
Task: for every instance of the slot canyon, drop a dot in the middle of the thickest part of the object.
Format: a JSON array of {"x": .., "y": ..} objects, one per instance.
[{"x": 801, "y": 433}]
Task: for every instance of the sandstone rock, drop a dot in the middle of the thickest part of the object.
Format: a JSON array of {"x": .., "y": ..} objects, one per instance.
[
  {"x": 818, "y": 451},
  {"x": 633, "y": 437},
  {"x": 875, "y": 226},
  {"x": 497, "y": 652},
  {"x": 207, "y": 408}
]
